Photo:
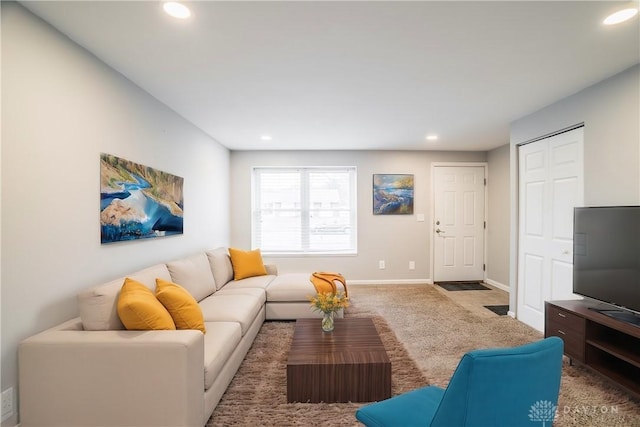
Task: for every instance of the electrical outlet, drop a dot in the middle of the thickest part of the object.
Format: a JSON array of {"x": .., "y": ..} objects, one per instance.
[
  {"x": 381, "y": 264},
  {"x": 412, "y": 265},
  {"x": 7, "y": 403}
]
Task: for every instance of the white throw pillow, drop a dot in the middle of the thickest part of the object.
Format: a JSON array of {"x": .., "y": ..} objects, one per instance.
[
  {"x": 194, "y": 274},
  {"x": 221, "y": 266}
]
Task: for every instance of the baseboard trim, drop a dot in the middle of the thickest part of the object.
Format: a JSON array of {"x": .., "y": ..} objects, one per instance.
[
  {"x": 498, "y": 285},
  {"x": 390, "y": 282}
]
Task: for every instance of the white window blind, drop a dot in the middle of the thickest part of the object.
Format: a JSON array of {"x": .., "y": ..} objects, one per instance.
[{"x": 304, "y": 210}]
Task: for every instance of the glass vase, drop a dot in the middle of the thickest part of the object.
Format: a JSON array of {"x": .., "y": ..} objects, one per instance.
[{"x": 327, "y": 321}]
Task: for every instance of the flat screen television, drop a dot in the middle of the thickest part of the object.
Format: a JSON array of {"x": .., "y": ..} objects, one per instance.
[{"x": 606, "y": 258}]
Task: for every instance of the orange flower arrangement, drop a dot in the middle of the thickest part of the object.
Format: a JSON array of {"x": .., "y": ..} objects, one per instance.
[{"x": 329, "y": 302}]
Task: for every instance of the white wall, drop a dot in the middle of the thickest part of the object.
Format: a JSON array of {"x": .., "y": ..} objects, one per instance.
[
  {"x": 610, "y": 111},
  {"x": 62, "y": 107},
  {"x": 396, "y": 239},
  {"x": 498, "y": 217}
]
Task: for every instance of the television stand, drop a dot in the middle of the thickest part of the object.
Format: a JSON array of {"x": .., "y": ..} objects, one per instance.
[
  {"x": 621, "y": 315},
  {"x": 597, "y": 340}
]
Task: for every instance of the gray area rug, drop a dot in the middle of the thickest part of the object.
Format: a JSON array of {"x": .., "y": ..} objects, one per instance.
[
  {"x": 462, "y": 286},
  {"x": 257, "y": 395},
  {"x": 500, "y": 310},
  {"x": 428, "y": 333}
]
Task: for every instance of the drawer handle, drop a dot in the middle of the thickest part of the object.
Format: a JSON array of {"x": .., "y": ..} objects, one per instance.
[
  {"x": 561, "y": 332},
  {"x": 561, "y": 315}
]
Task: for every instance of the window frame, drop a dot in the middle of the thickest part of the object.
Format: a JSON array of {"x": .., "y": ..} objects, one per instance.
[{"x": 305, "y": 210}]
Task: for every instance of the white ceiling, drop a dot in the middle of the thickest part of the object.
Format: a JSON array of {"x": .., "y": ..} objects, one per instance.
[{"x": 354, "y": 75}]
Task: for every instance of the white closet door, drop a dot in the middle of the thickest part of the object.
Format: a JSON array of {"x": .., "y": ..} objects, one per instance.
[{"x": 550, "y": 186}]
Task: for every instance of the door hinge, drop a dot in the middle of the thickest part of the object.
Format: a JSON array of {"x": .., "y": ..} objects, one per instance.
[
  {"x": 485, "y": 225},
  {"x": 484, "y": 267},
  {"x": 485, "y": 182}
]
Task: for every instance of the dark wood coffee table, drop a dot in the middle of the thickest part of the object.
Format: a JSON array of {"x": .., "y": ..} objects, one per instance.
[{"x": 349, "y": 364}]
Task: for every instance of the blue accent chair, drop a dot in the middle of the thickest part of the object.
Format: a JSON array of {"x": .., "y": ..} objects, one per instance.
[{"x": 508, "y": 387}]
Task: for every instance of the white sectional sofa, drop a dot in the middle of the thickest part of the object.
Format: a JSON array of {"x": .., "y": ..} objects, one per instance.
[{"x": 91, "y": 371}]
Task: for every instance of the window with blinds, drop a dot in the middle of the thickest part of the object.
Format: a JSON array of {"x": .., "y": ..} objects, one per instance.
[{"x": 309, "y": 210}]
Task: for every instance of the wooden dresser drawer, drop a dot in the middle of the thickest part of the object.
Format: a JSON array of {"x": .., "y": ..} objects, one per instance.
[
  {"x": 566, "y": 319},
  {"x": 569, "y": 327},
  {"x": 573, "y": 341}
]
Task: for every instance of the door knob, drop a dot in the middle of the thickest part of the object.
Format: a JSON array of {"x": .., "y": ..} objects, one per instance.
[{"x": 439, "y": 231}]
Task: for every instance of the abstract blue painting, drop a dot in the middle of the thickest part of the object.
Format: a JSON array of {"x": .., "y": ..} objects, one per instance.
[
  {"x": 137, "y": 201},
  {"x": 392, "y": 194}
]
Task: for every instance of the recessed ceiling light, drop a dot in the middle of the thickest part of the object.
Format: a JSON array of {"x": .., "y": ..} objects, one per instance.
[
  {"x": 621, "y": 16},
  {"x": 266, "y": 138},
  {"x": 432, "y": 137},
  {"x": 177, "y": 10}
]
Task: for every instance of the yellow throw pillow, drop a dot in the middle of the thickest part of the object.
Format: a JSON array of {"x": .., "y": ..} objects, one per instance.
[
  {"x": 246, "y": 263},
  {"x": 182, "y": 307},
  {"x": 139, "y": 309}
]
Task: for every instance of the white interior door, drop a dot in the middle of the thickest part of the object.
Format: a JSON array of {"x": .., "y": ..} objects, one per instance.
[
  {"x": 458, "y": 223},
  {"x": 550, "y": 186}
]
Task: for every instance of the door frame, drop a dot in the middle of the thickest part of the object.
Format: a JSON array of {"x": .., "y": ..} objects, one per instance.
[{"x": 432, "y": 211}]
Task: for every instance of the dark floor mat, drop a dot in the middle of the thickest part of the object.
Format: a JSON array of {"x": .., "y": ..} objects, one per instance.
[
  {"x": 500, "y": 310},
  {"x": 463, "y": 286}
]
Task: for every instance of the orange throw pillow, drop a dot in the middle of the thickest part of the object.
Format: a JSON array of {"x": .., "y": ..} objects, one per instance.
[
  {"x": 183, "y": 308},
  {"x": 246, "y": 263},
  {"x": 140, "y": 310}
]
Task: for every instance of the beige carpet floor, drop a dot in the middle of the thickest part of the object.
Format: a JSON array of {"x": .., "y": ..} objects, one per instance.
[{"x": 426, "y": 331}]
